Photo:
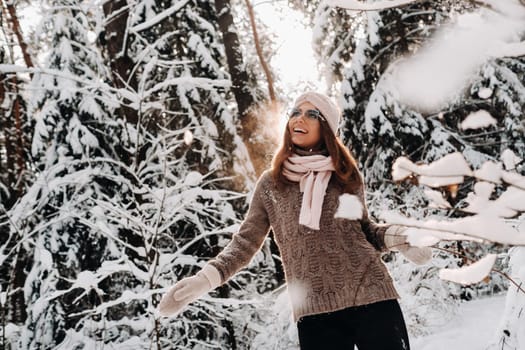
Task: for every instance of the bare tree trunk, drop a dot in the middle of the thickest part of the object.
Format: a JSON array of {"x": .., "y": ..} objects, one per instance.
[
  {"x": 3, "y": 126},
  {"x": 249, "y": 112},
  {"x": 264, "y": 64},
  {"x": 18, "y": 32},
  {"x": 16, "y": 156},
  {"x": 17, "y": 303},
  {"x": 21, "y": 156}
]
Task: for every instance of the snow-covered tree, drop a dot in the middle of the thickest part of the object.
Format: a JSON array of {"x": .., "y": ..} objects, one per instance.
[
  {"x": 130, "y": 151},
  {"x": 72, "y": 126}
]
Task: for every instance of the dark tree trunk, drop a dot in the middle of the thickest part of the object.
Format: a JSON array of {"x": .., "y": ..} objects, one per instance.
[
  {"x": 18, "y": 140},
  {"x": 239, "y": 76},
  {"x": 115, "y": 40},
  {"x": 15, "y": 26},
  {"x": 13, "y": 116},
  {"x": 247, "y": 105},
  {"x": 17, "y": 305},
  {"x": 13, "y": 164}
]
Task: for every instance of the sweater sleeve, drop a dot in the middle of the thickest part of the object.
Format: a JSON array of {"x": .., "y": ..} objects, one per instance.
[
  {"x": 247, "y": 241},
  {"x": 374, "y": 232}
]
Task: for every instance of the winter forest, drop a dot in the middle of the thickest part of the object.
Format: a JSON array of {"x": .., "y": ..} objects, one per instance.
[{"x": 132, "y": 134}]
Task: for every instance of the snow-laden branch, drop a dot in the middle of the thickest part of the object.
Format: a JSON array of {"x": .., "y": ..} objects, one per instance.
[
  {"x": 204, "y": 83},
  {"x": 448, "y": 170},
  {"x": 475, "y": 228},
  {"x": 451, "y": 170},
  {"x": 488, "y": 224},
  {"x": 158, "y": 18},
  {"x": 13, "y": 68},
  {"x": 128, "y": 94},
  {"x": 478, "y": 120},
  {"x": 86, "y": 83},
  {"x": 369, "y": 6},
  {"x": 470, "y": 274},
  {"x": 492, "y": 269}
]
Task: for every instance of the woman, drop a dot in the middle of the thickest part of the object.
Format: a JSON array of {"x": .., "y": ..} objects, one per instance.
[{"x": 340, "y": 291}]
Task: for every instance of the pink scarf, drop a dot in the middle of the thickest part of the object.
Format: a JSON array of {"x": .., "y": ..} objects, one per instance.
[{"x": 313, "y": 174}]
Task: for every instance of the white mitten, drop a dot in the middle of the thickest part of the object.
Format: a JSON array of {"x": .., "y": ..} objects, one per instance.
[
  {"x": 396, "y": 240},
  {"x": 188, "y": 290}
]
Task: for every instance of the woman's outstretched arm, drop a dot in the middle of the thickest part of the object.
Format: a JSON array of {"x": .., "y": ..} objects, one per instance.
[{"x": 247, "y": 241}]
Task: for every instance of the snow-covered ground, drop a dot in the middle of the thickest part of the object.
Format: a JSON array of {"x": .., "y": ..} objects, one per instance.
[{"x": 471, "y": 329}]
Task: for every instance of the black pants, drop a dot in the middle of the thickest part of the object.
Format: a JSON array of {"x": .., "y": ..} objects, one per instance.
[{"x": 377, "y": 326}]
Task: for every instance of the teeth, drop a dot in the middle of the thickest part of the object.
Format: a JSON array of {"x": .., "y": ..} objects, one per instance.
[{"x": 299, "y": 130}]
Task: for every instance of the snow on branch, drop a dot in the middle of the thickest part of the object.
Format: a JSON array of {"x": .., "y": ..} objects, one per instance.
[
  {"x": 204, "y": 83},
  {"x": 135, "y": 99},
  {"x": 448, "y": 170},
  {"x": 159, "y": 17},
  {"x": 86, "y": 83},
  {"x": 478, "y": 120},
  {"x": 451, "y": 170},
  {"x": 510, "y": 159},
  {"x": 477, "y": 228},
  {"x": 489, "y": 220},
  {"x": 366, "y": 6},
  {"x": 436, "y": 199},
  {"x": 509, "y": 204},
  {"x": 470, "y": 274}
]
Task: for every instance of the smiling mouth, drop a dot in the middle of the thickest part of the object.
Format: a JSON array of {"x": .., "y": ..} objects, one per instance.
[{"x": 299, "y": 130}]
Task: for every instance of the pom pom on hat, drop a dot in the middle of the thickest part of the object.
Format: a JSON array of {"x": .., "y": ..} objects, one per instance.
[{"x": 325, "y": 105}]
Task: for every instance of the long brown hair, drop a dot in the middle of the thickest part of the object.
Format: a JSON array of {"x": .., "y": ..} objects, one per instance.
[{"x": 346, "y": 171}]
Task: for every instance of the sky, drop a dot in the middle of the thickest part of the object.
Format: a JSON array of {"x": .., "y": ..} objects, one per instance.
[{"x": 294, "y": 60}]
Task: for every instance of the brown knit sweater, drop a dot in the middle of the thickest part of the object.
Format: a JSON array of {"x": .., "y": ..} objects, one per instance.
[{"x": 336, "y": 267}]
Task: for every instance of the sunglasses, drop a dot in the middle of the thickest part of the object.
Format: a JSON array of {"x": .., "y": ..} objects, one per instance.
[{"x": 310, "y": 114}]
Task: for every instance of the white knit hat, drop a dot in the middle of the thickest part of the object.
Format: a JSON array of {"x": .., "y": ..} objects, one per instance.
[{"x": 326, "y": 106}]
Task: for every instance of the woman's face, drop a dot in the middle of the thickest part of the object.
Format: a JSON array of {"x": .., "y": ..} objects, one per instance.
[{"x": 305, "y": 130}]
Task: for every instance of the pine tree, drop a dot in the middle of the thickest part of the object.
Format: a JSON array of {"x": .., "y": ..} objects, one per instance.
[
  {"x": 130, "y": 152},
  {"x": 129, "y": 194},
  {"x": 73, "y": 127}
]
